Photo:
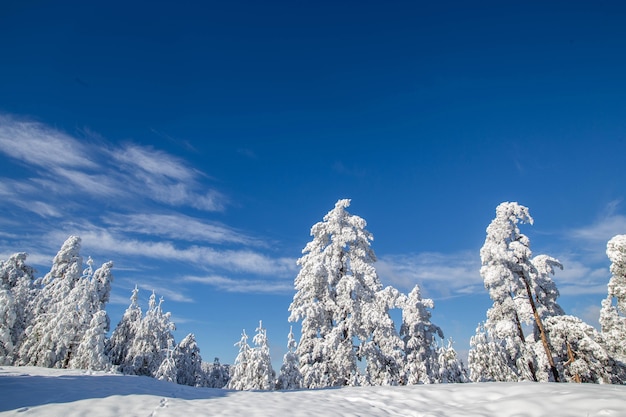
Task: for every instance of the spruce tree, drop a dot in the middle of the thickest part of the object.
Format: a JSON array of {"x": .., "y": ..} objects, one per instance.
[
  {"x": 336, "y": 290},
  {"x": 290, "y": 376},
  {"x": 17, "y": 291}
]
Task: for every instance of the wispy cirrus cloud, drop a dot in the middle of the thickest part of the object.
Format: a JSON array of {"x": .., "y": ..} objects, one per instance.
[
  {"x": 179, "y": 227},
  {"x": 243, "y": 260},
  {"x": 66, "y": 166},
  {"x": 37, "y": 144},
  {"x": 243, "y": 285},
  {"x": 442, "y": 274}
]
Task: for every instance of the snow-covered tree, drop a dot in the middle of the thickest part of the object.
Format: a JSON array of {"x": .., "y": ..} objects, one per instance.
[
  {"x": 56, "y": 323},
  {"x": 152, "y": 340},
  {"x": 189, "y": 362},
  {"x": 582, "y": 355},
  {"x": 384, "y": 351},
  {"x": 239, "y": 373},
  {"x": 420, "y": 339},
  {"x": 168, "y": 370},
  {"x": 16, "y": 294},
  {"x": 613, "y": 312},
  {"x": 91, "y": 351},
  {"x": 261, "y": 375},
  {"x": 489, "y": 360},
  {"x": 336, "y": 288},
  {"x": 451, "y": 368},
  {"x": 290, "y": 376},
  {"x": 217, "y": 375},
  {"x": 122, "y": 338},
  {"x": 510, "y": 276}
]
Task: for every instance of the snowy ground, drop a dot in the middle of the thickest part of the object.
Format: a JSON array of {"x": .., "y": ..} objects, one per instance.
[{"x": 32, "y": 391}]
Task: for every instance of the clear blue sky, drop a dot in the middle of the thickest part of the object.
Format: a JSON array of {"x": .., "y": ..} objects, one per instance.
[{"x": 195, "y": 146}]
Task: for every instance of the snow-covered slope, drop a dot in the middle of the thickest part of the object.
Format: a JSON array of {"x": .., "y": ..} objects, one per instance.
[{"x": 29, "y": 391}]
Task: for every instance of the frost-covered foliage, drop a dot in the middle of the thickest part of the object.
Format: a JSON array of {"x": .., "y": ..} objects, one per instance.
[
  {"x": 239, "y": 373},
  {"x": 151, "y": 342},
  {"x": 543, "y": 287},
  {"x": 613, "y": 312},
  {"x": 16, "y": 294},
  {"x": 167, "y": 370},
  {"x": 510, "y": 277},
  {"x": 64, "y": 308},
  {"x": 582, "y": 351},
  {"x": 427, "y": 361},
  {"x": 91, "y": 351},
  {"x": 123, "y": 336},
  {"x": 216, "y": 374},
  {"x": 189, "y": 363},
  {"x": 451, "y": 368},
  {"x": 253, "y": 366},
  {"x": 384, "y": 352},
  {"x": 336, "y": 295},
  {"x": 420, "y": 339},
  {"x": 290, "y": 376},
  {"x": 489, "y": 359}
]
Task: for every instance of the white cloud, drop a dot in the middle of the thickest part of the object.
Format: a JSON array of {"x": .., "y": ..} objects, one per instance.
[
  {"x": 37, "y": 144},
  {"x": 69, "y": 167},
  {"x": 101, "y": 240},
  {"x": 601, "y": 231},
  {"x": 180, "y": 227},
  {"x": 243, "y": 285},
  {"x": 443, "y": 274}
]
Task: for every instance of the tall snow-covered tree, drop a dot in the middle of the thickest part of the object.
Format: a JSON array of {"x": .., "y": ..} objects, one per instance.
[
  {"x": 509, "y": 276},
  {"x": 613, "y": 312},
  {"x": 290, "y": 376},
  {"x": 16, "y": 294},
  {"x": 260, "y": 372},
  {"x": 336, "y": 288},
  {"x": 420, "y": 339},
  {"x": 123, "y": 336},
  {"x": 57, "y": 323},
  {"x": 239, "y": 372}
]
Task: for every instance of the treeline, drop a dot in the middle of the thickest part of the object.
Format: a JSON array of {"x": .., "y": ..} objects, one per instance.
[{"x": 347, "y": 334}]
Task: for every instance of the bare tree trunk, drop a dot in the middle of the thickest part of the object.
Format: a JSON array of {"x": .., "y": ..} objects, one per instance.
[{"x": 570, "y": 359}]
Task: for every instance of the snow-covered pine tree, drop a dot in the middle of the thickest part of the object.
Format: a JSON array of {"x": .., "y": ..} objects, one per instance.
[
  {"x": 489, "y": 360},
  {"x": 451, "y": 368},
  {"x": 261, "y": 375},
  {"x": 189, "y": 363},
  {"x": 238, "y": 372},
  {"x": 290, "y": 376},
  {"x": 154, "y": 336},
  {"x": 49, "y": 339},
  {"x": 384, "y": 351},
  {"x": 168, "y": 370},
  {"x": 16, "y": 294},
  {"x": 420, "y": 339},
  {"x": 91, "y": 351},
  {"x": 217, "y": 375},
  {"x": 335, "y": 289},
  {"x": 613, "y": 312},
  {"x": 123, "y": 337},
  {"x": 582, "y": 354}
]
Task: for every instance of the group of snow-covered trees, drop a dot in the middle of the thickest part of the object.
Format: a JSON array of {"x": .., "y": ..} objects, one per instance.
[
  {"x": 59, "y": 321},
  {"x": 347, "y": 337},
  {"x": 527, "y": 335}
]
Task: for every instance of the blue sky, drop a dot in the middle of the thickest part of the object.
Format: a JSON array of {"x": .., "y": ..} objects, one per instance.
[{"x": 195, "y": 146}]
